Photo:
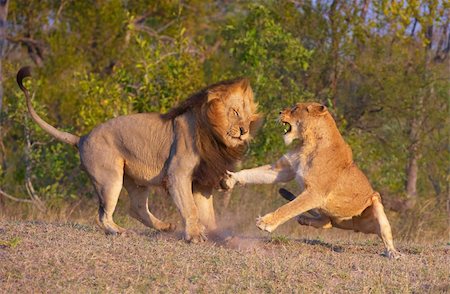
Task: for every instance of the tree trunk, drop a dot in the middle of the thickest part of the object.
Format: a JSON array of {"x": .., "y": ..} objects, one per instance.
[
  {"x": 3, "y": 16},
  {"x": 412, "y": 167},
  {"x": 3, "y": 24},
  {"x": 334, "y": 50}
]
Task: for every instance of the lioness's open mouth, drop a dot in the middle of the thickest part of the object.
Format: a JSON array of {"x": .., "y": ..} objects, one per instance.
[{"x": 287, "y": 127}]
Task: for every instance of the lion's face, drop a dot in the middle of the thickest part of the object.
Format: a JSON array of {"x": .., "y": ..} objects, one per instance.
[
  {"x": 300, "y": 118},
  {"x": 231, "y": 111}
]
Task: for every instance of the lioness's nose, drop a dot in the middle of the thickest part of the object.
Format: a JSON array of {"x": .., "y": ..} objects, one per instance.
[{"x": 243, "y": 131}]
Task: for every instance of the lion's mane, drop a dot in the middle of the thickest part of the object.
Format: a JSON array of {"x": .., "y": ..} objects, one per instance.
[{"x": 216, "y": 157}]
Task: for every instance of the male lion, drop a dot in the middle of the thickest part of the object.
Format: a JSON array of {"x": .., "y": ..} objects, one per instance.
[
  {"x": 335, "y": 191},
  {"x": 186, "y": 151}
]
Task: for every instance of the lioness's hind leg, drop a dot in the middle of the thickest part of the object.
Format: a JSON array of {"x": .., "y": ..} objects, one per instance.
[
  {"x": 384, "y": 228},
  {"x": 373, "y": 220},
  {"x": 321, "y": 221},
  {"x": 139, "y": 207}
]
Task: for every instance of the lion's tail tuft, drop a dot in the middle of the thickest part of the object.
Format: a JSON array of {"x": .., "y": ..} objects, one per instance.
[{"x": 64, "y": 137}]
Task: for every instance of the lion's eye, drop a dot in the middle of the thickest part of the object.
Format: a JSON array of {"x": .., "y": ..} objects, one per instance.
[{"x": 236, "y": 113}]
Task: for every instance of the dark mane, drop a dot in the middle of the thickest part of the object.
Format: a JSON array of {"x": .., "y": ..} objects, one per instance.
[{"x": 216, "y": 157}]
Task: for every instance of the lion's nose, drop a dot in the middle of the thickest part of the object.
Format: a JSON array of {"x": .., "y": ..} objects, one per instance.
[{"x": 243, "y": 131}]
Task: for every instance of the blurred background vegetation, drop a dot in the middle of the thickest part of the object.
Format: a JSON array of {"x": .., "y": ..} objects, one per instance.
[{"x": 382, "y": 68}]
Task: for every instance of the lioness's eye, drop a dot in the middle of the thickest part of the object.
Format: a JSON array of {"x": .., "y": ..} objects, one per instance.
[{"x": 235, "y": 112}]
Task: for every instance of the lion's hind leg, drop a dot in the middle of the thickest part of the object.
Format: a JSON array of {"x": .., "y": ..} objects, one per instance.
[
  {"x": 139, "y": 207},
  {"x": 108, "y": 192}
]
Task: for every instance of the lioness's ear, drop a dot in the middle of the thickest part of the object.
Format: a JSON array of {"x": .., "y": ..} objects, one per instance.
[{"x": 316, "y": 109}]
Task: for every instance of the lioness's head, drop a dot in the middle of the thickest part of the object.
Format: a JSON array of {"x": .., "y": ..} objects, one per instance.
[
  {"x": 232, "y": 112},
  {"x": 301, "y": 118}
]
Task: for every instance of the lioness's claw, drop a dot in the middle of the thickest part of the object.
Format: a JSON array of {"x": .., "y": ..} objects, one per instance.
[
  {"x": 228, "y": 182},
  {"x": 263, "y": 223}
]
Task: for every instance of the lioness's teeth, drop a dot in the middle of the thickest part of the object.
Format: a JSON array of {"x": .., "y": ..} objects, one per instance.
[{"x": 287, "y": 127}]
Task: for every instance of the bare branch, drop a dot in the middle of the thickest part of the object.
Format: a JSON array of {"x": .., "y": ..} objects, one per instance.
[
  {"x": 28, "y": 170},
  {"x": 6, "y": 195}
]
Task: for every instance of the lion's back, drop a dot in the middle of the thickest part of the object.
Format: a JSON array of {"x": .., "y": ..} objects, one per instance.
[{"x": 141, "y": 142}]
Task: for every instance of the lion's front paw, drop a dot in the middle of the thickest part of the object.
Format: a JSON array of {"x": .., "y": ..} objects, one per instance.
[
  {"x": 195, "y": 233},
  {"x": 392, "y": 254},
  {"x": 266, "y": 223}
]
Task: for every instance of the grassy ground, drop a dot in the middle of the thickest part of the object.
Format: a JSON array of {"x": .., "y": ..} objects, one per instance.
[{"x": 68, "y": 257}]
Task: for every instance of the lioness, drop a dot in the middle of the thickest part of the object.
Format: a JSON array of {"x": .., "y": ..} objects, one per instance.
[
  {"x": 335, "y": 191},
  {"x": 186, "y": 151}
]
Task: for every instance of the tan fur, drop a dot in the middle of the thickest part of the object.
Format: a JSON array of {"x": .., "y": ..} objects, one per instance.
[
  {"x": 334, "y": 188},
  {"x": 186, "y": 151}
]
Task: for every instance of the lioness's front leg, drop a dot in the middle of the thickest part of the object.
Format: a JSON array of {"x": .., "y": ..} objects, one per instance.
[
  {"x": 304, "y": 202},
  {"x": 281, "y": 171}
]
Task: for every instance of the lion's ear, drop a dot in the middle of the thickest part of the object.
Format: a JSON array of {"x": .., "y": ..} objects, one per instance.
[
  {"x": 316, "y": 109},
  {"x": 215, "y": 112},
  {"x": 213, "y": 95},
  {"x": 245, "y": 84}
]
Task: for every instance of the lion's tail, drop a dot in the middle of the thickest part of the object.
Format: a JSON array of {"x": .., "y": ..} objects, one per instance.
[{"x": 59, "y": 135}]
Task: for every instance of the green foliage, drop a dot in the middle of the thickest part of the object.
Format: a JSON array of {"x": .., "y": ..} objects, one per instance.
[
  {"x": 164, "y": 75},
  {"x": 99, "y": 99},
  {"x": 276, "y": 61},
  {"x": 379, "y": 71}
]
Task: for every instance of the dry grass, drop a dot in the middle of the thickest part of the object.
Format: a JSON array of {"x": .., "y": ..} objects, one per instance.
[
  {"x": 64, "y": 251},
  {"x": 68, "y": 257}
]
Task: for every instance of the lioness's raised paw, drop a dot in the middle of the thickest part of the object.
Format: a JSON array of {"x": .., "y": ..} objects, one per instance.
[
  {"x": 265, "y": 223},
  {"x": 228, "y": 182}
]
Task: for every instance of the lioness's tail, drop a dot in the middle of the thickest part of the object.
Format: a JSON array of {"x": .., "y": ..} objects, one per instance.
[
  {"x": 286, "y": 194},
  {"x": 59, "y": 135}
]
